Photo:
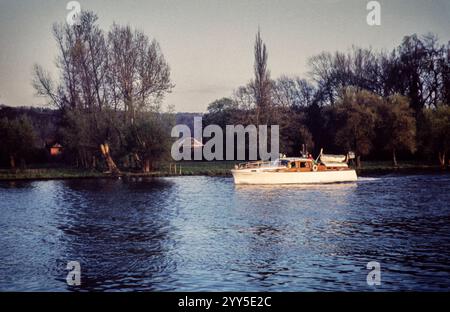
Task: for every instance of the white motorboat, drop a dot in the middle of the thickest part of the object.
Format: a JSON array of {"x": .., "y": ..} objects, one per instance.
[{"x": 296, "y": 170}]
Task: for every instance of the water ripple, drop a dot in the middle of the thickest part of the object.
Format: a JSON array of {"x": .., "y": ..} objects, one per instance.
[{"x": 204, "y": 233}]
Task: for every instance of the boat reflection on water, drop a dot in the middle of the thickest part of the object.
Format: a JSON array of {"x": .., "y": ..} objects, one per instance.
[
  {"x": 314, "y": 186},
  {"x": 297, "y": 192}
]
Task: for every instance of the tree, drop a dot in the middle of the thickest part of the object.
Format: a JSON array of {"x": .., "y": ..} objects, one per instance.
[
  {"x": 437, "y": 138},
  {"x": 322, "y": 73},
  {"x": 355, "y": 119},
  {"x": 139, "y": 76},
  {"x": 418, "y": 68},
  {"x": 444, "y": 67},
  {"x": 222, "y": 112},
  {"x": 149, "y": 138},
  {"x": 358, "y": 68},
  {"x": 106, "y": 81},
  {"x": 262, "y": 84},
  {"x": 83, "y": 135},
  {"x": 396, "y": 125},
  {"x": 18, "y": 138},
  {"x": 291, "y": 98},
  {"x": 294, "y": 93}
]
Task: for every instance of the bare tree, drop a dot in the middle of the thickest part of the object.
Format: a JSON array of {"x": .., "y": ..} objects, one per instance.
[
  {"x": 139, "y": 76},
  {"x": 293, "y": 93},
  {"x": 103, "y": 77}
]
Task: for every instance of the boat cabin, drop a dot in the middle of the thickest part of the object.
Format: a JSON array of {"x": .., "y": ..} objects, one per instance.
[
  {"x": 299, "y": 164},
  {"x": 294, "y": 164}
]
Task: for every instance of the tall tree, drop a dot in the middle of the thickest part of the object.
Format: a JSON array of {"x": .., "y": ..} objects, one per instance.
[
  {"x": 437, "y": 137},
  {"x": 355, "y": 119},
  {"x": 396, "y": 125},
  {"x": 444, "y": 67},
  {"x": 262, "y": 84},
  {"x": 139, "y": 76}
]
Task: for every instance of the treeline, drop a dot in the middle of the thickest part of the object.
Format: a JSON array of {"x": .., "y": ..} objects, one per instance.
[
  {"x": 28, "y": 133},
  {"x": 24, "y": 135},
  {"x": 111, "y": 85},
  {"x": 373, "y": 103}
]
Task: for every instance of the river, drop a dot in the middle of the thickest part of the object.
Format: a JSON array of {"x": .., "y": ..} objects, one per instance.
[{"x": 206, "y": 234}]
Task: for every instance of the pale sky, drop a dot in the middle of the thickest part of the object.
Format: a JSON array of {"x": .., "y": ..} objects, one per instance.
[{"x": 209, "y": 43}]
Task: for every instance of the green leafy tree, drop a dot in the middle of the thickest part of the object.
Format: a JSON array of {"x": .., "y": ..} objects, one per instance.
[
  {"x": 18, "y": 138},
  {"x": 148, "y": 138},
  {"x": 355, "y": 119},
  {"x": 437, "y": 137},
  {"x": 221, "y": 112},
  {"x": 396, "y": 125}
]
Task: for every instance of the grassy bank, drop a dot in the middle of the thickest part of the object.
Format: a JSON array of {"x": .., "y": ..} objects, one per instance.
[
  {"x": 374, "y": 167},
  {"x": 208, "y": 168},
  {"x": 161, "y": 170},
  {"x": 213, "y": 168},
  {"x": 48, "y": 174}
]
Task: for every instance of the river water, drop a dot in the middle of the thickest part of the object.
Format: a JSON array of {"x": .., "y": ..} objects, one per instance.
[{"x": 206, "y": 234}]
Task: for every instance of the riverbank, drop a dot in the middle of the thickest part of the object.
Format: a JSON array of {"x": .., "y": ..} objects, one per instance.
[
  {"x": 190, "y": 168},
  {"x": 187, "y": 168},
  {"x": 385, "y": 167},
  {"x": 49, "y": 174}
]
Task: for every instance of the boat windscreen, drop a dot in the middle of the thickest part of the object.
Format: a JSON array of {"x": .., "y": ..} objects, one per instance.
[{"x": 279, "y": 163}]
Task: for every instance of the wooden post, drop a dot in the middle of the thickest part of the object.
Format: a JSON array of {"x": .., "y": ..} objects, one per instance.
[{"x": 180, "y": 169}]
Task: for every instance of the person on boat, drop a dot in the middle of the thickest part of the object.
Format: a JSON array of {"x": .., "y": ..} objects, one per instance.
[{"x": 310, "y": 156}]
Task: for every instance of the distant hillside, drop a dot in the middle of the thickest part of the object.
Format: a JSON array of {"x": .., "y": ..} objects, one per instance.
[{"x": 187, "y": 119}]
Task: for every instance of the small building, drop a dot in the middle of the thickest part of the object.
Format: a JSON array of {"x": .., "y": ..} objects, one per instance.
[
  {"x": 55, "y": 149},
  {"x": 191, "y": 142}
]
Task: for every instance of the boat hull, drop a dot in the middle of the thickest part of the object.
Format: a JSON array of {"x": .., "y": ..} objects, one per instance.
[{"x": 312, "y": 177}]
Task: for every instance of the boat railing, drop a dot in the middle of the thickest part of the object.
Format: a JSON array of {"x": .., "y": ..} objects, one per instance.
[{"x": 254, "y": 164}]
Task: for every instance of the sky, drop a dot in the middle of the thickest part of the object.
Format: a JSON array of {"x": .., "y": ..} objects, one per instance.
[{"x": 209, "y": 43}]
